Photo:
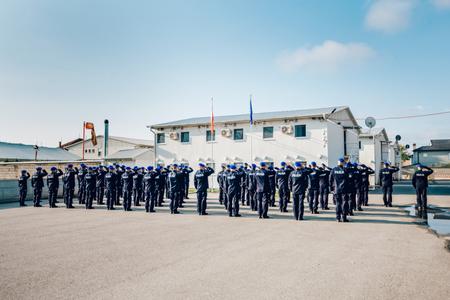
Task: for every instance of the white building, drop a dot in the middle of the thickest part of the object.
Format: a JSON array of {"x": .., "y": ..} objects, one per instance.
[
  {"x": 375, "y": 149},
  {"x": 321, "y": 135},
  {"x": 129, "y": 151}
]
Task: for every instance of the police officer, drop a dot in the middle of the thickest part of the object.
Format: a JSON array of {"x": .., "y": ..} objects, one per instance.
[
  {"x": 298, "y": 183},
  {"x": 100, "y": 184},
  {"x": 357, "y": 177},
  {"x": 120, "y": 170},
  {"x": 387, "y": 183},
  {"x": 244, "y": 194},
  {"x": 160, "y": 185},
  {"x": 262, "y": 190},
  {"x": 324, "y": 187},
  {"x": 282, "y": 183},
  {"x": 338, "y": 183},
  {"x": 127, "y": 186},
  {"x": 90, "y": 180},
  {"x": 110, "y": 184},
  {"x": 365, "y": 172},
  {"x": 149, "y": 181},
  {"x": 233, "y": 188},
  {"x": 186, "y": 172},
  {"x": 251, "y": 187},
  {"x": 313, "y": 188},
  {"x": 176, "y": 182},
  {"x": 53, "y": 185},
  {"x": 420, "y": 183},
  {"x": 23, "y": 186},
  {"x": 82, "y": 184},
  {"x": 351, "y": 187},
  {"x": 37, "y": 182},
  {"x": 201, "y": 184},
  {"x": 137, "y": 186},
  {"x": 272, "y": 184},
  {"x": 69, "y": 185},
  {"x": 220, "y": 181}
]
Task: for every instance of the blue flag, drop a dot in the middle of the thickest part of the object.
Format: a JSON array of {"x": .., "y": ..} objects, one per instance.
[{"x": 251, "y": 111}]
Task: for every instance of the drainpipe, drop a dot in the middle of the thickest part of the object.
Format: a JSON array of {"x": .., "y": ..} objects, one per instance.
[
  {"x": 345, "y": 142},
  {"x": 106, "y": 140}
]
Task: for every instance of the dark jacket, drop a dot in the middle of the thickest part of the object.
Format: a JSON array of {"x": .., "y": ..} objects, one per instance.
[
  {"x": 262, "y": 181},
  {"x": 420, "y": 178},
  {"x": 53, "y": 179},
  {"x": 37, "y": 180},
  {"x": 233, "y": 182},
  {"x": 127, "y": 181},
  {"x": 201, "y": 179},
  {"x": 314, "y": 179},
  {"x": 386, "y": 176},
  {"x": 110, "y": 181},
  {"x": 282, "y": 177},
  {"x": 339, "y": 180},
  {"x": 298, "y": 180},
  {"x": 69, "y": 178},
  {"x": 150, "y": 181},
  {"x": 176, "y": 181},
  {"x": 23, "y": 179}
]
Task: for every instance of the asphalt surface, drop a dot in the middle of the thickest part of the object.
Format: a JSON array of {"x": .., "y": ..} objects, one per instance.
[{"x": 98, "y": 254}]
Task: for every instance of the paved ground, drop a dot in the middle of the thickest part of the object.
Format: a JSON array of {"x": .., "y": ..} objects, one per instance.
[{"x": 58, "y": 253}]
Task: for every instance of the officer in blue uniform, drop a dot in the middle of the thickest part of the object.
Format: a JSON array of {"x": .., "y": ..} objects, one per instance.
[
  {"x": 233, "y": 188},
  {"x": 100, "y": 184},
  {"x": 262, "y": 190},
  {"x": 339, "y": 181},
  {"x": 313, "y": 188},
  {"x": 81, "y": 183},
  {"x": 420, "y": 183},
  {"x": 324, "y": 186},
  {"x": 137, "y": 186},
  {"x": 282, "y": 184},
  {"x": 37, "y": 182},
  {"x": 387, "y": 183},
  {"x": 201, "y": 184},
  {"x": 350, "y": 195},
  {"x": 120, "y": 170},
  {"x": 365, "y": 172},
  {"x": 175, "y": 181},
  {"x": 90, "y": 180},
  {"x": 251, "y": 188},
  {"x": 127, "y": 186},
  {"x": 272, "y": 184},
  {"x": 110, "y": 181},
  {"x": 23, "y": 186},
  {"x": 298, "y": 183},
  {"x": 220, "y": 181},
  {"x": 150, "y": 194},
  {"x": 53, "y": 185},
  {"x": 69, "y": 185},
  {"x": 186, "y": 172}
]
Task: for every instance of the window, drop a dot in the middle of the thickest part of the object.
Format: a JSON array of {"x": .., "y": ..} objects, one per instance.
[
  {"x": 184, "y": 137},
  {"x": 360, "y": 145},
  {"x": 85, "y": 150},
  {"x": 300, "y": 130},
  {"x": 238, "y": 134},
  {"x": 99, "y": 153},
  {"x": 267, "y": 132},
  {"x": 160, "y": 138},
  {"x": 209, "y": 137}
]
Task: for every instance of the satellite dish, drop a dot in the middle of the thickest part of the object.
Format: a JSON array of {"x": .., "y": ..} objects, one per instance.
[
  {"x": 398, "y": 137},
  {"x": 407, "y": 146},
  {"x": 370, "y": 122}
]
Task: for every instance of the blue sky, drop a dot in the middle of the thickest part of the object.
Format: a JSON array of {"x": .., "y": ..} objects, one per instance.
[{"x": 144, "y": 62}]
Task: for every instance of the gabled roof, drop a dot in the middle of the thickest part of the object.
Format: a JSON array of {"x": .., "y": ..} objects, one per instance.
[
  {"x": 279, "y": 115},
  {"x": 436, "y": 145},
  {"x": 128, "y": 153},
  {"x": 22, "y": 152},
  {"x": 133, "y": 141},
  {"x": 373, "y": 132}
]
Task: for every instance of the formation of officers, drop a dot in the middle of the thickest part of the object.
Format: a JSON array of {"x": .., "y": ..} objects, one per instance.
[{"x": 247, "y": 185}]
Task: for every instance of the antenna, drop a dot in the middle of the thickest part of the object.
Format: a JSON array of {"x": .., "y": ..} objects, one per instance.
[{"x": 370, "y": 122}]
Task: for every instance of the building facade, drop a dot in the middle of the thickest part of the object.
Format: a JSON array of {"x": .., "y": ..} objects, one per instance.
[
  {"x": 435, "y": 155},
  {"x": 322, "y": 135}
]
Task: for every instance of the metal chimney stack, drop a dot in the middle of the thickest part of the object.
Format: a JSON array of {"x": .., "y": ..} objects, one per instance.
[{"x": 106, "y": 140}]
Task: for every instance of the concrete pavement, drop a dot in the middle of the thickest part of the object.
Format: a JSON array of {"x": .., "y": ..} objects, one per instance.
[{"x": 98, "y": 254}]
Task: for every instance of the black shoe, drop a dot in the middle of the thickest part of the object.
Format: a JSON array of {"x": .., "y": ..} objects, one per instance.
[
  {"x": 38, "y": 205},
  {"x": 351, "y": 213},
  {"x": 360, "y": 209},
  {"x": 390, "y": 205},
  {"x": 54, "y": 206},
  {"x": 237, "y": 215},
  {"x": 346, "y": 220},
  {"x": 266, "y": 217},
  {"x": 112, "y": 208},
  {"x": 326, "y": 208},
  {"x": 316, "y": 212},
  {"x": 181, "y": 206},
  {"x": 205, "y": 214},
  {"x": 187, "y": 197},
  {"x": 176, "y": 212},
  {"x": 129, "y": 209},
  {"x": 152, "y": 210},
  {"x": 339, "y": 220},
  {"x": 259, "y": 217},
  {"x": 301, "y": 219},
  {"x": 71, "y": 206}
]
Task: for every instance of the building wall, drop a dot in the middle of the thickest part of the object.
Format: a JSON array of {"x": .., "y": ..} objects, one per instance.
[
  {"x": 93, "y": 151},
  {"x": 282, "y": 147}
]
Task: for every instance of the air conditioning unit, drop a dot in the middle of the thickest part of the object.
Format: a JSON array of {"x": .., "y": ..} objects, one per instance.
[
  {"x": 226, "y": 132},
  {"x": 287, "y": 129},
  {"x": 174, "y": 135}
]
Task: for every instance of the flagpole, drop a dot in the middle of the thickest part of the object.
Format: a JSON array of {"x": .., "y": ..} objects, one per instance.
[
  {"x": 84, "y": 137},
  {"x": 251, "y": 130}
]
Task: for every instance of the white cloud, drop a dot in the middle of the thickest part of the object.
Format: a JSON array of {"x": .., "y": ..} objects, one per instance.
[
  {"x": 441, "y": 4},
  {"x": 390, "y": 16},
  {"x": 328, "y": 56}
]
